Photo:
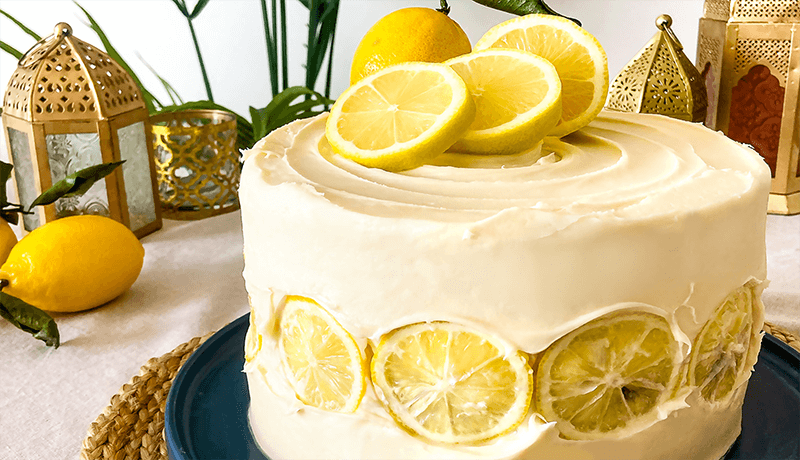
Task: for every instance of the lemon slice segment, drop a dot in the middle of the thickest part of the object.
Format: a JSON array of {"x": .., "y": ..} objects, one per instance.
[
  {"x": 400, "y": 117},
  {"x": 607, "y": 377},
  {"x": 252, "y": 339},
  {"x": 517, "y": 98},
  {"x": 726, "y": 347},
  {"x": 576, "y": 54},
  {"x": 447, "y": 383},
  {"x": 322, "y": 361}
]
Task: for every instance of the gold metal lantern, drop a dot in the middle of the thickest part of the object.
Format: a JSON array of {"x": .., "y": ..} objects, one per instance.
[
  {"x": 660, "y": 79},
  {"x": 749, "y": 54},
  {"x": 69, "y": 106}
]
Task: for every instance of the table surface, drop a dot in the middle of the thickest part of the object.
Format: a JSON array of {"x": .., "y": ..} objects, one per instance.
[{"x": 191, "y": 284}]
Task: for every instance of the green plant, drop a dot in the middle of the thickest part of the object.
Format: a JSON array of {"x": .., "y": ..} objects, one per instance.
[{"x": 190, "y": 16}]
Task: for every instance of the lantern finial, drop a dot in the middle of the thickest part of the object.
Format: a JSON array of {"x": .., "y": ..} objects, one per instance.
[
  {"x": 660, "y": 79},
  {"x": 62, "y": 29}
]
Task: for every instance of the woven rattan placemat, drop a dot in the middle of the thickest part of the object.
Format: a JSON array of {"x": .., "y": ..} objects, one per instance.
[{"x": 132, "y": 426}]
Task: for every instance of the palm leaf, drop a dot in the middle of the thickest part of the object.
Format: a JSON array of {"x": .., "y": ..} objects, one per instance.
[
  {"x": 10, "y": 50},
  {"x": 150, "y": 101},
  {"x": 21, "y": 26}
]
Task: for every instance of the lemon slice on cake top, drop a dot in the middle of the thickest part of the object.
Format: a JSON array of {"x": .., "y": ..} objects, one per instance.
[
  {"x": 517, "y": 97},
  {"x": 400, "y": 117},
  {"x": 577, "y": 55}
]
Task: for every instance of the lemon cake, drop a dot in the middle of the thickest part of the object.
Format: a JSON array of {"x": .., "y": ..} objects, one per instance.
[{"x": 597, "y": 297}]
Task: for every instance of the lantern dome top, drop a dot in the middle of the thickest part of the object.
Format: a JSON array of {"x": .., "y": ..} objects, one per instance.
[
  {"x": 62, "y": 78},
  {"x": 660, "y": 79},
  {"x": 752, "y": 10}
]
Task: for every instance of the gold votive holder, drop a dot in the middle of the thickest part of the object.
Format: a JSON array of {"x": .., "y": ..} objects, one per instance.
[{"x": 197, "y": 163}]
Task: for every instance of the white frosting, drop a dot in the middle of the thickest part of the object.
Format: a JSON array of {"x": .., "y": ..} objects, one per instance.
[{"x": 633, "y": 211}]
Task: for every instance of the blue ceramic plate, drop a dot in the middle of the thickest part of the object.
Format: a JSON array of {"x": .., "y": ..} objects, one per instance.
[{"x": 206, "y": 413}]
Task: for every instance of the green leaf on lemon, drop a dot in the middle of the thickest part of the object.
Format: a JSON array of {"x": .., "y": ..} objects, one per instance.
[
  {"x": 30, "y": 319},
  {"x": 523, "y": 7},
  {"x": 75, "y": 184}
]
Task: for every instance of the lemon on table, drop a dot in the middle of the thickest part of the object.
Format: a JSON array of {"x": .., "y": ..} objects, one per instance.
[
  {"x": 607, "y": 377},
  {"x": 73, "y": 264},
  {"x": 724, "y": 349},
  {"x": 517, "y": 100},
  {"x": 322, "y": 360},
  {"x": 400, "y": 117},
  {"x": 447, "y": 383},
  {"x": 408, "y": 35},
  {"x": 7, "y": 240},
  {"x": 577, "y": 55}
]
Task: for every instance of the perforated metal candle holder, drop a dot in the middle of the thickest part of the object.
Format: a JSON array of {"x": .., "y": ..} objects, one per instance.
[
  {"x": 660, "y": 79},
  {"x": 749, "y": 54},
  {"x": 197, "y": 163},
  {"x": 69, "y": 106}
]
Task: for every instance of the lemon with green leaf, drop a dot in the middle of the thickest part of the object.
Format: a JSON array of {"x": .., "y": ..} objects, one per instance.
[{"x": 73, "y": 264}]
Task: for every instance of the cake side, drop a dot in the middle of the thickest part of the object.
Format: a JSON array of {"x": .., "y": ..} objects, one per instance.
[
  {"x": 526, "y": 268},
  {"x": 633, "y": 213}
]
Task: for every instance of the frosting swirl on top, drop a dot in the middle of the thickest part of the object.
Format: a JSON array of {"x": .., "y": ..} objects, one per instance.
[{"x": 617, "y": 165}]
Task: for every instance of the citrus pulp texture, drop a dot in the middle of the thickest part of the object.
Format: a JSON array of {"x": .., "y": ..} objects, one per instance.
[
  {"x": 447, "y": 383},
  {"x": 322, "y": 360},
  {"x": 517, "y": 98},
  {"x": 608, "y": 377},
  {"x": 401, "y": 117},
  {"x": 578, "y": 57}
]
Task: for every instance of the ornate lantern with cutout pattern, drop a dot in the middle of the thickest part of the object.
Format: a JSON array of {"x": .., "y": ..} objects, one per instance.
[
  {"x": 69, "y": 106},
  {"x": 748, "y": 52}
]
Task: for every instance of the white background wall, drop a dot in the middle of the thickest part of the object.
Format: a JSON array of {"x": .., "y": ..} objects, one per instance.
[{"x": 232, "y": 39}]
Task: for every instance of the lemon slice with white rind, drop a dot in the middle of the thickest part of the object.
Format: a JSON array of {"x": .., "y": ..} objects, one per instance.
[
  {"x": 450, "y": 384},
  {"x": 725, "y": 348},
  {"x": 400, "y": 117},
  {"x": 517, "y": 98},
  {"x": 608, "y": 377},
  {"x": 322, "y": 361},
  {"x": 577, "y": 55}
]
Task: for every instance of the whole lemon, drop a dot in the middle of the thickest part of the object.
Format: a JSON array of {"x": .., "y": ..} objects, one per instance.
[
  {"x": 7, "y": 240},
  {"x": 73, "y": 264},
  {"x": 408, "y": 35}
]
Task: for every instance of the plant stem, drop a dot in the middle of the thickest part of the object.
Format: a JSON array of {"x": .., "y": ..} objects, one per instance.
[
  {"x": 444, "y": 7},
  {"x": 284, "y": 52},
  {"x": 329, "y": 74},
  {"x": 275, "y": 36},
  {"x": 310, "y": 48},
  {"x": 200, "y": 59},
  {"x": 271, "y": 51}
]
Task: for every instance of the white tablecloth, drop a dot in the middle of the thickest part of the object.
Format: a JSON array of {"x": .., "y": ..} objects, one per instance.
[{"x": 191, "y": 284}]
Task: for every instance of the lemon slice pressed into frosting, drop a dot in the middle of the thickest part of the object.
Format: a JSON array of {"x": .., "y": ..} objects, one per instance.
[
  {"x": 606, "y": 378},
  {"x": 322, "y": 361},
  {"x": 725, "y": 347},
  {"x": 517, "y": 98},
  {"x": 400, "y": 117},
  {"x": 577, "y": 55},
  {"x": 447, "y": 383}
]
